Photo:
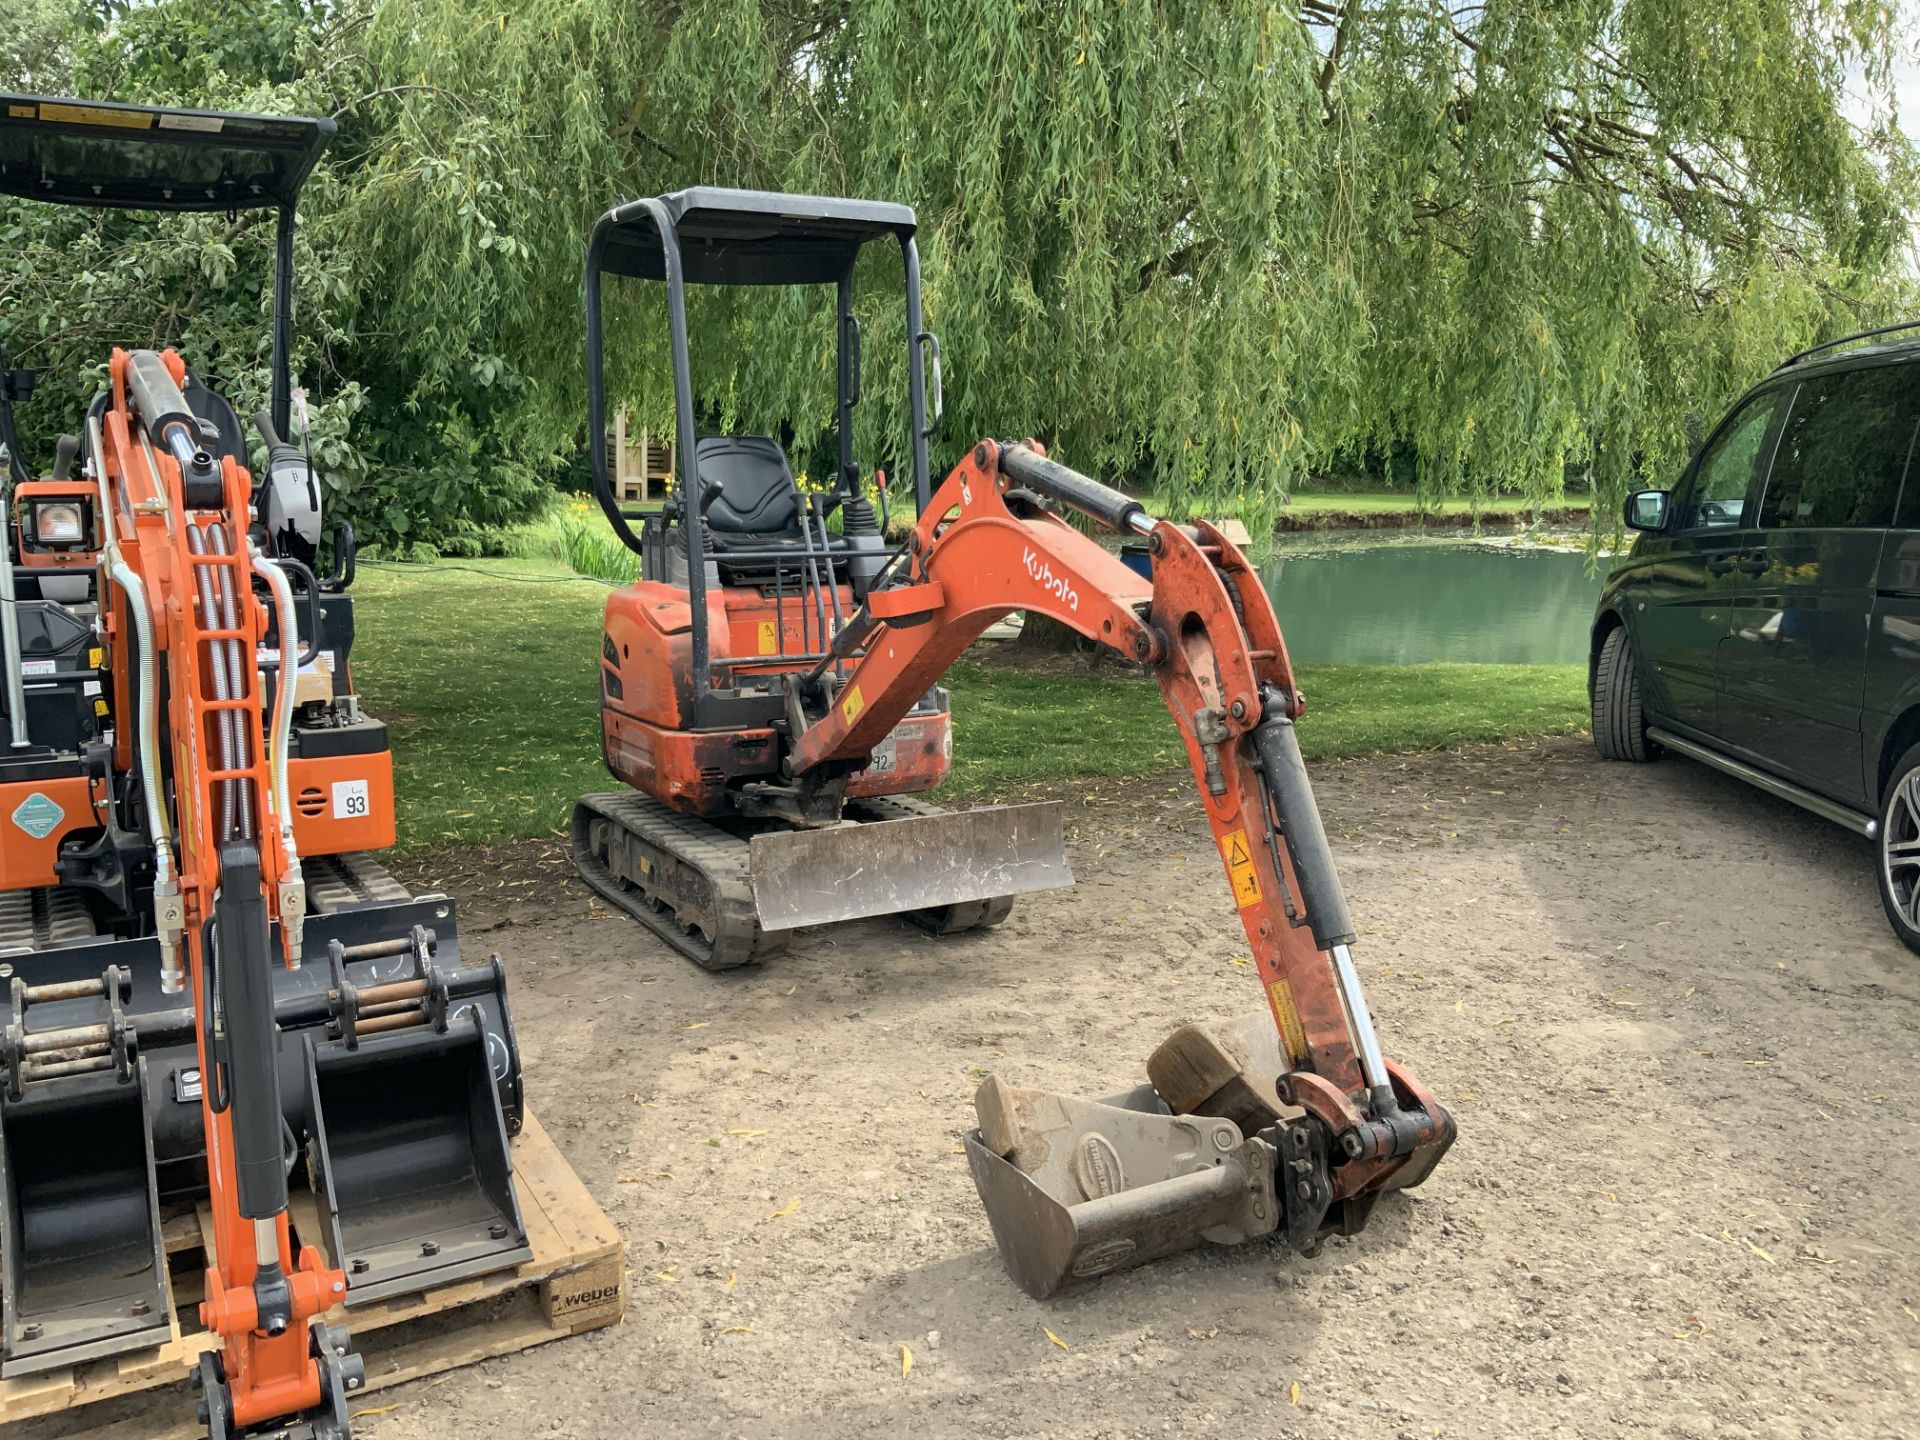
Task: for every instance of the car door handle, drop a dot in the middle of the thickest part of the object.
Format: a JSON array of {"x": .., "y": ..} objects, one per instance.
[{"x": 1719, "y": 564}]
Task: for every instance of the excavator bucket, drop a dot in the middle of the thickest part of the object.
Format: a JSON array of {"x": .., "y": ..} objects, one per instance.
[
  {"x": 920, "y": 865},
  {"x": 1075, "y": 1189},
  {"x": 1078, "y": 1188},
  {"x": 84, "y": 1273},
  {"x": 409, "y": 1159}
]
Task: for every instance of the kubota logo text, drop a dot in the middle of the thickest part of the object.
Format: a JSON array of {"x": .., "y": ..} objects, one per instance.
[{"x": 1043, "y": 576}]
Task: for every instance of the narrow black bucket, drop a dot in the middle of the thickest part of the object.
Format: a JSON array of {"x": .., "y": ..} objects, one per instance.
[
  {"x": 84, "y": 1274},
  {"x": 409, "y": 1160}
]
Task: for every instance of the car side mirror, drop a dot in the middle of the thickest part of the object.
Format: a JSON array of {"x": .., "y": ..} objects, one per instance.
[{"x": 1646, "y": 510}]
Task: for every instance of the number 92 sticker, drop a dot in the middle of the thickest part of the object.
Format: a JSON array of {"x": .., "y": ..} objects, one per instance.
[{"x": 349, "y": 799}]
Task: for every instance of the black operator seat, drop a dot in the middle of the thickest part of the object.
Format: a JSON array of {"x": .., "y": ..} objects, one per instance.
[{"x": 758, "y": 501}]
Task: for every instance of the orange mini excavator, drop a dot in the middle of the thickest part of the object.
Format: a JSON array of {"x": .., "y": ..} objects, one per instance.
[
  {"x": 214, "y": 993},
  {"x": 770, "y": 690}
]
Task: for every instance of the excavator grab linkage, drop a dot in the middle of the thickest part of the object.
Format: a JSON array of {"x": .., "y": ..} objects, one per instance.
[{"x": 1244, "y": 1130}]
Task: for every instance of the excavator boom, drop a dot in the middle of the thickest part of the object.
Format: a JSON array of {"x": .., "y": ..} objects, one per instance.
[{"x": 1301, "y": 1124}]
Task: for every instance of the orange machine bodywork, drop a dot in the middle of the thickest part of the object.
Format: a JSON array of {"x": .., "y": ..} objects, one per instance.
[
  {"x": 342, "y": 803},
  {"x": 646, "y": 679},
  {"x": 26, "y": 859}
]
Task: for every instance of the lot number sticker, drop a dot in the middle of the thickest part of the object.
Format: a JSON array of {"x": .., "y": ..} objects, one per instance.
[{"x": 349, "y": 799}]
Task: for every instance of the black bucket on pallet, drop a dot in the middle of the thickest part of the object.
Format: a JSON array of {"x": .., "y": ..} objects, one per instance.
[
  {"x": 82, "y": 1267},
  {"x": 408, "y": 1159}
]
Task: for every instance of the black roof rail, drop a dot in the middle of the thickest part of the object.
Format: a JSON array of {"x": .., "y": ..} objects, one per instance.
[{"x": 1847, "y": 340}]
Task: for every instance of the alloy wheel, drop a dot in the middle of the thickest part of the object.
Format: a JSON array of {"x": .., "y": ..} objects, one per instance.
[{"x": 1900, "y": 847}]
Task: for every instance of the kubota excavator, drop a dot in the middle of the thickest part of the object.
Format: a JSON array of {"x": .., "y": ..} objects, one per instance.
[
  {"x": 215, "y": 993},
  {"x": 770, "y": 688}
]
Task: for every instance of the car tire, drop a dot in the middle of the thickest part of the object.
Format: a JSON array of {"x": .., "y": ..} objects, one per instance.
[
  {"x": 1619, "y": 721},
  {"x": 1897, "y": 857}
]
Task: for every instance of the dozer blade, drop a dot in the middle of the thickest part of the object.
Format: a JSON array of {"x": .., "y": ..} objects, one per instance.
[
  {"x": 891, "y": 867},
  {"x": 1075, "y": 1189}
]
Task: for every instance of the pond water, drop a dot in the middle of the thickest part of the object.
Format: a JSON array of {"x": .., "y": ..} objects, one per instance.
[{"x": 1405, "y": 603}]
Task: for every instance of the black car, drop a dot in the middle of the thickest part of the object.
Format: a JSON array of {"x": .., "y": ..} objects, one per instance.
[{"x": 1767, "y": 618}]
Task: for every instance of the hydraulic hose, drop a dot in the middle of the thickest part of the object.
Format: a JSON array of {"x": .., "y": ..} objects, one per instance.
[
  {"x": 173, "y": 977},
  {"x": 147, "y": 726},
  {"x": 283, "y": 689}
]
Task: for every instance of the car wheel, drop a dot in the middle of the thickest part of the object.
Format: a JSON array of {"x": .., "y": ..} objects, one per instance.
[
  {"x": 1619, "y": 722},
  {"x": 1900, "y": 849}
]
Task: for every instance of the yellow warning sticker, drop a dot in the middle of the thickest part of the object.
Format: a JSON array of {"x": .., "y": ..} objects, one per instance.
[
  {"x": 853, "y": 704},
  {"x": 97, "y": 115},
  {"x": 1292, "y": 1033},
  {"x": 769, "y": 638},
  {"x": 1240, "y": 872},
  {"x": 96, "y": 657}
]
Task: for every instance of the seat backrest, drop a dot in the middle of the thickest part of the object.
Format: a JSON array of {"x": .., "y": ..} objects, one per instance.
[
  {"x": 757, "y": 493},
  {"x": 209, "y": 404}
]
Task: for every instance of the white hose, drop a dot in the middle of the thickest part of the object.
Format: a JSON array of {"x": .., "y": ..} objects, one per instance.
[
  {"x": 283, "y": 689},
  {"x": 147, "y": 729}
]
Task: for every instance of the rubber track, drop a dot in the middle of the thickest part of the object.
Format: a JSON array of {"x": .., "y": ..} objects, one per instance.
[
  {"x": 691, "y": 844},
  {"x": 41, "y": 919},
  {"x": 721, "y": 858},
  {"x": 1619, "y": 721},
  {"x": 337, "y": 882}
]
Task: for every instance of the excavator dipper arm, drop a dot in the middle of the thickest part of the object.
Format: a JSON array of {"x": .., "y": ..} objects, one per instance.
[{"x": 1344, "y": 1123}]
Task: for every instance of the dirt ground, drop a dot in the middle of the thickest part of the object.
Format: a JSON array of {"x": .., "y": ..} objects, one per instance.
[{"x": 1674, "y": 1027}]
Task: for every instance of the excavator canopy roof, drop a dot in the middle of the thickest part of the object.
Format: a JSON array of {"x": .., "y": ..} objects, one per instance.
[
  {"x": 749, "y": 237},
  {"x": 147, "y": 157}
]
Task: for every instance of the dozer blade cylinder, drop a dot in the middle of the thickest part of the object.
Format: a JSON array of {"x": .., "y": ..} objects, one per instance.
[{"x": 891, "y": 867}]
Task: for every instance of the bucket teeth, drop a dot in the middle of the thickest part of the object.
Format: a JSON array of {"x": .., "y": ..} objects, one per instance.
[{"x": 1078, "y": 1188}]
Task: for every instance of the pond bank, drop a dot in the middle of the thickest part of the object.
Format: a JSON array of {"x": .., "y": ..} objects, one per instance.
[{"x": 1296, "y": 521}]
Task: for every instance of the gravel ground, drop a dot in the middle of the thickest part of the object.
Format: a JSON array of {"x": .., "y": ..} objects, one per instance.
[
  {"x": 1669, "y": 1017},
  {"x": 1666, "y": 1010}
]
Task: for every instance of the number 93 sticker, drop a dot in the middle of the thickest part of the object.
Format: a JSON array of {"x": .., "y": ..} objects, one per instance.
[{"x": 349, "y": 799}]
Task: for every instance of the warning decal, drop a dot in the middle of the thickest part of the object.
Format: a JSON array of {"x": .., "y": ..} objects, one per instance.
[
  {"x": 853, "y": 704},
  {"x": 769, "y": 638},
  {"x": 1240, "y": 872},
  {"x": 1292, "y": 1033}
]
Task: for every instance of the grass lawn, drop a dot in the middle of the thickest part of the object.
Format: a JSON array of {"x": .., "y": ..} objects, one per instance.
[{"x": 486, "y": 673}]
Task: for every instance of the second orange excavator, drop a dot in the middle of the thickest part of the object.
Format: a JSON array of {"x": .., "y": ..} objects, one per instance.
[{"x": 771, "y": 691}]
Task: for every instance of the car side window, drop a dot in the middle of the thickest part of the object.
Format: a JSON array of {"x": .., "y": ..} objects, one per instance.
[
  {"x": 1843, "y": 451},
  {"x": 1729, "y": 465}
]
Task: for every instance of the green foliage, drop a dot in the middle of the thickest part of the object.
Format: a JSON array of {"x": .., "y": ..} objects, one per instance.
[
  {"x": 441, "y": 647},
  {"x": 1206, "y": 246},
  {"x": 589, "y": 547}
]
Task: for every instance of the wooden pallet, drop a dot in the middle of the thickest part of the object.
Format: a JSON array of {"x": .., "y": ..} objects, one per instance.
[{"x": 575, "y": 1281}]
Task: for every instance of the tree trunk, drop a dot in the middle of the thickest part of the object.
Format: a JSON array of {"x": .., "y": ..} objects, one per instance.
[{"x": 1043, "y": 639}]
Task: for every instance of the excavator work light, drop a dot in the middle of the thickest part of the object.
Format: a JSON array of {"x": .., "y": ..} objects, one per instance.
[{"x": 60, "y": 522}]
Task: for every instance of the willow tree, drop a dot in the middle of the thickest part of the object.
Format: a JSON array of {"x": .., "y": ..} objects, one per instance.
[{"x": 1209, "y": 244}]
